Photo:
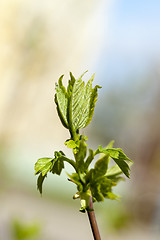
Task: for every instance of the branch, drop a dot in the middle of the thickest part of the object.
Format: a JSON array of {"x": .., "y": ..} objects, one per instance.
[{"x": 93, "y": 222}]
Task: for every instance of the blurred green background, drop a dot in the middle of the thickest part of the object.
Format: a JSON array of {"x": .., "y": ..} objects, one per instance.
[{"x": 39, "y": 41}]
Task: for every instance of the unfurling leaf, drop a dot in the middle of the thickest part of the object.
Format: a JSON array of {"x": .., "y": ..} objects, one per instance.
[
  {"x": 58, "y": 166},
  {"x": 71, "y": 144},
  {"x": 43, "y": 165},
  {"x": 101, "y": 165},
  {"x": 81, "y": 154},
  {"x": 61, "y": 101},
  {"x": 75, "y": 105},
  {"x": 119, "y": 157},
  {"x": 58, "y": 162},
  {"x": 113, "y": 171},
  {"x": 102, "y": 188},
  {"x": 89, "y": 159}
]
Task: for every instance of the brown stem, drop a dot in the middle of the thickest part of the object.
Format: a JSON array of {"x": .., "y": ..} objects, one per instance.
[{"x": 93, "y": 222}]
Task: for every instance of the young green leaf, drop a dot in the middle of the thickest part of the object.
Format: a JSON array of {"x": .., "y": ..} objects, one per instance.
[
  {"x": 102, "y": 188},
  {"x": 101, "y": 166},
  {"x": 61, "y": 100},
  {"x": 71, "y": 83},
  {"x": 93, "y": 99},
  {"x": 76, "y": 105},
  {"x": 103, "y": 150},
  {"x": 106, "y": 186},
  {"x": 112, "y": 196},
  {"x": 58, "y": 166},
  {"x": 71, "y": 144},
  {"x": 83, "y": 102},
  {"x": 80, "y": 155},
  {"x": 89, "y": 159},
  {"x": 40, "y": 182},
  {"x": 119, "y": 157},
  {"x": 116, "y": 178},
  {"x": 96, "y": 192},
  {"x": 43, "y": 165},
  {"x": 115, "y": 170}
]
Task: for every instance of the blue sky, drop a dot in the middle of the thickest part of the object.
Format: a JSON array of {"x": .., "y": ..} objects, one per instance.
[{"x": 133, "y": 39}]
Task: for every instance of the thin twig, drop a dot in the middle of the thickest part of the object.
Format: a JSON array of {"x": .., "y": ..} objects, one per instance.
[{"x": 93, "y": 222}]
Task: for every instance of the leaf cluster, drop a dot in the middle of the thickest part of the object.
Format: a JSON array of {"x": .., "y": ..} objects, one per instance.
[
  {"x": 45, "y": 165},
  {"x": 75, "y": 107}
]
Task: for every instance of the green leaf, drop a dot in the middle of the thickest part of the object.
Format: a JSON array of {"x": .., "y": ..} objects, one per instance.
[
  {"x": 119, "y": 157},
  {"x": 101, "y": 166},
  {"x": 71, "y": 144},
  {"x": 54, "y": 165},
  {"x": 123, "y": 166},
  {"x": 115, "y": 170},
  {"x": 90, "y": 176},
  {"x": 103, "y": 150},
  {"x": 117, "y": 153},
  {"x": 76, "y": 105},
  {"x": 116, "y": 179},
  {"x": 105, "y": 186},
  {"x": 102, "y": 188},
  {"x": 96, "y": 192},
  {"x": 43, "y": 165},
  {"x": 58, "y": 166},
  {"x": 89, "y": 159},
  {"x": 93, "y": 100},
  {"x": 71, "y": 83},
  {"x": 80, "y": 155},
  {"x": 58, "y": 162},
  {"x": 40, "y": 182},
  {"x": 80, "y": 103},
  {"x": 61, "y": 100},
  {"x": 102, "y": 179},
  {"x": 112, "y": 196},
  {"x": 83, "y": 103}
]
